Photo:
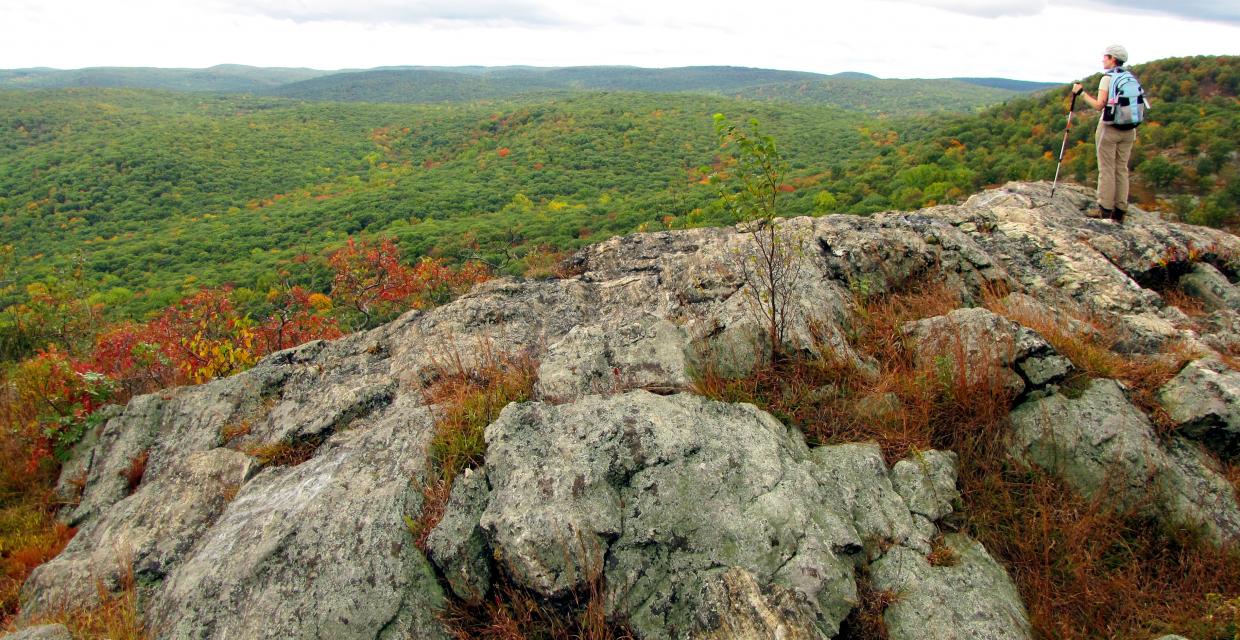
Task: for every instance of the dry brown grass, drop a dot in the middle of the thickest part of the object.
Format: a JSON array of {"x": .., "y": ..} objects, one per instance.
[
  {"x": 468, "y": 397},
  {"x": 115, "y": 617},
  {"x": 865, "y": 622},
  {"x": 136, "y": 470},
  {"x": 941, "y": 554},
  {"x": 1085, "y": 571},
  {"x": 233, "y": 430},
  {"x": 934, "y": 397},
  {"x": 1192, "y": 307},
  {"x": 515, "y": 613},
  {"x": 283, "y": 453}
]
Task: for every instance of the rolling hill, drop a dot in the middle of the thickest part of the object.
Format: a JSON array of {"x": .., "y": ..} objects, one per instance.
[{"x": 850, "y": 90}]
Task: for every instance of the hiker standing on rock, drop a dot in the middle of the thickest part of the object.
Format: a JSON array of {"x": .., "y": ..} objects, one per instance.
[{"x": 1114, "y": 142}]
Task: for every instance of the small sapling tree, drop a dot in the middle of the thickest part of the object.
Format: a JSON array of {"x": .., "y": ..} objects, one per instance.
[{"x": 751, "y": 182}]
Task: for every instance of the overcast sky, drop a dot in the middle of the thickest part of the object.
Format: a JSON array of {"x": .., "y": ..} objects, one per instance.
[{"x": 1050, "y": 40}]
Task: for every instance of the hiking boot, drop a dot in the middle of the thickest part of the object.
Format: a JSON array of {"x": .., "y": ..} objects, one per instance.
[
  {"x": 1118, "y": 214},
  {"x": 1103, "y": 213}
]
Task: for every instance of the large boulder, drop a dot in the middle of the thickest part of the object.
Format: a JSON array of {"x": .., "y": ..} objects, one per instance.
[
  {"x": 145, "y": 534},
  {"x": 1204, "y": 401},
  {"x": 978, "y": 345},
  {"x": 661, "y": 495},
  {"x": 968, "y": 598},
  {"x": 1104, "y": 447},
  {"x": 320, "y": 550}
]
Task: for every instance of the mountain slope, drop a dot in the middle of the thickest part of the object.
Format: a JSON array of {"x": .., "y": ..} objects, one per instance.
[{"x": 227, "y": 78}]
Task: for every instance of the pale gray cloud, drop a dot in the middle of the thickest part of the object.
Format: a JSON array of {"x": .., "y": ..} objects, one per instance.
[
  {"x": 985, "y": 8},
  {"x": 1227, "y": 11},
  {"x": 472, "y": 13}
]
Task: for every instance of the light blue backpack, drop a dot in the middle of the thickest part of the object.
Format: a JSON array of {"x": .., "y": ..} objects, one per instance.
[{"x": 1126, "y": 103}]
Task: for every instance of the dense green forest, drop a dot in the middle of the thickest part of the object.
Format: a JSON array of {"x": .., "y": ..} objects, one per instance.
[
  {"x": 886, "y": 97},
  {"x": 152, "y": 194}
]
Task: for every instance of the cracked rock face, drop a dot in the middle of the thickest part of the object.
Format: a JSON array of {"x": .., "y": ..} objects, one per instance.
[
  {"x": 150, "y": 531},
  {"x": 316, "y": 550}
]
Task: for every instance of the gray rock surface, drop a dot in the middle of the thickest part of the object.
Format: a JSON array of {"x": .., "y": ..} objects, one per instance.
[
  {"x": 146, "y": 533},
  {"x": 979, "y": 345},
  {"x": 671, "y": 492},
  {"x": 1204, "y": 400},
  {"x": 927, "y": 483},
  {"x": 1102, "y": 446},
  {"x": 856, "y": 478},
  {"x": 456, "y": 545},
  {"x": 1211, "y": 287},
  {"x": 734, "y": 607},
  {"x": 319, "y": 550},
  {"x": 42, "y": 632},
  {"x": 650, "y": 353},
  {"x": 968, "y": 600}
]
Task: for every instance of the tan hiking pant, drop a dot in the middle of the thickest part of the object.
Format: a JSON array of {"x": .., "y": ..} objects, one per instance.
[{"x": 1114, "y": 147}]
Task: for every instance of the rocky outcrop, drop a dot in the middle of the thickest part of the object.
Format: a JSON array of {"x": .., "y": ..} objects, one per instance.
[
  {"x": 1105, "y": 448},
  {"x": 695, "y": 518}
]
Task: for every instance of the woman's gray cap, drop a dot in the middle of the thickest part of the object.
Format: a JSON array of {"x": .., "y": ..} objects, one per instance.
[{"x": 1118, "y": 52}]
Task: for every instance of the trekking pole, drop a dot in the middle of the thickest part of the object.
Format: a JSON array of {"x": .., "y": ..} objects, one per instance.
[{"x": 1067, "y": 129}]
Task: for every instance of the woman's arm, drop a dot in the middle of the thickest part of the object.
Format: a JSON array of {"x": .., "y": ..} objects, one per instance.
[{"x": 1096, "y": 103}]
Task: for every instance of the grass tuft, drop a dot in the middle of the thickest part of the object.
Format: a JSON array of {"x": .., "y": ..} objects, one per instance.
[
  {"x": 135, "y": 471},
  {"x": 115, "y": 617},
  {"x": 283, "y": 453}
]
